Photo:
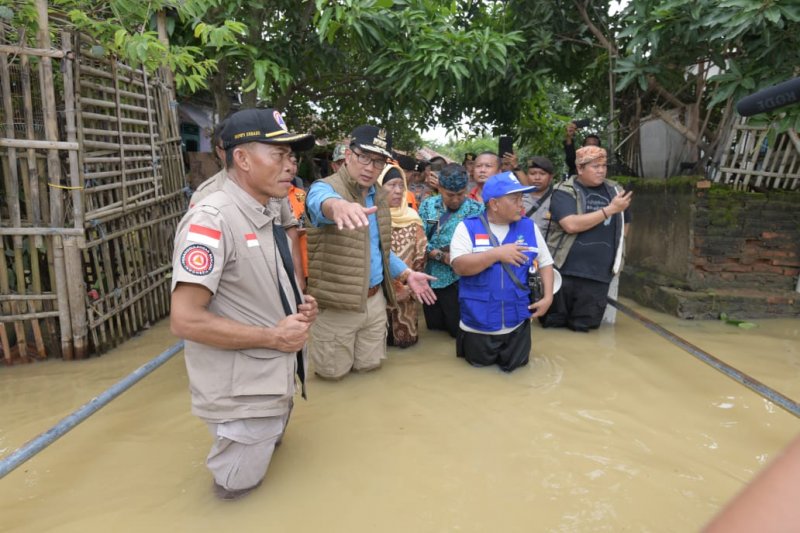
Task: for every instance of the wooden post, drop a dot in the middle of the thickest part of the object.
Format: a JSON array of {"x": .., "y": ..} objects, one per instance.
[
  {"x": 12, "y": 183},
  {"x": 54, "y": 178},
  {"x": 34, "y": 211}
]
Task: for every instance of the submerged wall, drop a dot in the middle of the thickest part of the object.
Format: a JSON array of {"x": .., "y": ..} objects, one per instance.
[{"x": 698, "y": 251}]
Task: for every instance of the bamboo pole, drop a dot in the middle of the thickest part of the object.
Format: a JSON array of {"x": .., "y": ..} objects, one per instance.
[
  {"x": 54, "y": 176},
  {"x": 31, "y": 190},
  {"x": 12, "y": 184},
  {"x": 24, "y": 50},
  {"x": 27, "y": 316},
  {"x": 75, "y": 170},
  {"x": 32, "y": 144},
  {"x": 26, "y": 297}
]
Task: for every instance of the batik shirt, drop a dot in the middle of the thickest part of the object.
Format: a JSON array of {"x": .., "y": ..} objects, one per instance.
[{"x": 439, "y": 235}]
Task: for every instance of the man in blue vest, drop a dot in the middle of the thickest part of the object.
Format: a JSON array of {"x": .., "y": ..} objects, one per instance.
[{"x": 493, "y": 254}]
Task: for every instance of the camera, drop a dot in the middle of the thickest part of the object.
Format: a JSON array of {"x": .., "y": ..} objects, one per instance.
[{"x": 535, "y": 284}]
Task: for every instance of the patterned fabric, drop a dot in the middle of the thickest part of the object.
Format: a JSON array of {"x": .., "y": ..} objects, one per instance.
[
  {"x": 587, "y": 154},
  {"x": 431, "y": 211},
  {"x": 409, "y": 244}
]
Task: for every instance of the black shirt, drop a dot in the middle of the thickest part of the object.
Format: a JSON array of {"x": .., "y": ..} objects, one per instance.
[{"x": 592, "y": 254}]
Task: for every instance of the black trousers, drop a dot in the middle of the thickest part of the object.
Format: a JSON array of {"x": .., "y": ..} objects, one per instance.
[
  {"x": 445, "y": 313},
  {"x": 579, "y": 305},
  {"x": 509, "y": 351}
]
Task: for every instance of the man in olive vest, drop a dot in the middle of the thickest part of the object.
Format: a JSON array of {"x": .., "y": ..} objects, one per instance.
[{"x": 350, "y": 262}]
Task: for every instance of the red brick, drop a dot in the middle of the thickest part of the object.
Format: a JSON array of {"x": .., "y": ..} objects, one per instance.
[
  {"x": 736, "y": 267},
  {"x": 770, "y": 235},
  {"x": 786, "y": 262},
  {"x": 793, "y": 272},
  {"x": 776, "y": 253},
  {"x": 763, "y": 267}
]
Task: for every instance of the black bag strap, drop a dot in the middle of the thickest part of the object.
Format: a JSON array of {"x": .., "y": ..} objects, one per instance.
[
  {"x": 495, "y": 243},
  {"x": 536, "y": 207},
  {"x": 282, "y": 242}
]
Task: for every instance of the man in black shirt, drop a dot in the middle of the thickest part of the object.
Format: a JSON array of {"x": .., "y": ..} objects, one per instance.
[{"x": 585, "y": 236}]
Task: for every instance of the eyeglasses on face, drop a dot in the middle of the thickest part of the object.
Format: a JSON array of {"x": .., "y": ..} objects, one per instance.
[{"x": 364, "y": 159}]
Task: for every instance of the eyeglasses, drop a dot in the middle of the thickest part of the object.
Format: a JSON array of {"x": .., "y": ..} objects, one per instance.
[
  {"x": 394, "y": 184},
  {"x": 364, "y": 159}
]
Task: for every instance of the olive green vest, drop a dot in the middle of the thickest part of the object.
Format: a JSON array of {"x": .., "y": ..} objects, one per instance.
[
  {"x": 338, "y": 260},
  {"x": 559, "y": 242}
]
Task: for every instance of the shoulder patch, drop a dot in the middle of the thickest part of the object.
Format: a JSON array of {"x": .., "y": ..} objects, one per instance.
[
  {"x": 197, "y": 259},
  {"x": 210, "y": 209}
]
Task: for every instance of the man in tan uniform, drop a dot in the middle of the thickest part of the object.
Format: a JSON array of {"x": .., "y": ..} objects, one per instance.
[
  {"x": 286, "y": 217},
  {"x": 236, "y": 301},
  {"x": 350, "y": 262}
]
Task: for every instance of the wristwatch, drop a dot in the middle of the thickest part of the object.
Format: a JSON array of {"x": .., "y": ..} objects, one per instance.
[{"x": 438, "y": 255}]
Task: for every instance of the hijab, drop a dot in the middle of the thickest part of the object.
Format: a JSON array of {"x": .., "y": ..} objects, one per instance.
[{"x": 402, "y": 216}]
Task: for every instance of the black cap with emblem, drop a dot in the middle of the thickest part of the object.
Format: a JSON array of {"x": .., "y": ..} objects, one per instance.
[
  {"x": 372, "y": 139},
  {"x": 262, "y": 125}
]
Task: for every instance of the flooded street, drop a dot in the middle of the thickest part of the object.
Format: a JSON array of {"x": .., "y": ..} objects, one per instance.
[{"x": 613, "y": 430}]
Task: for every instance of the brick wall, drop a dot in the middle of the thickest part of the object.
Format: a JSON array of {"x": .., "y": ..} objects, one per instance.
[
  {"x": 745, "y": 240},
  {"x": 699, "y": 252}
]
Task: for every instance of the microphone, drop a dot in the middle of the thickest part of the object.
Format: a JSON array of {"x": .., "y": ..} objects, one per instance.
[{"x": 780, "y": 95}]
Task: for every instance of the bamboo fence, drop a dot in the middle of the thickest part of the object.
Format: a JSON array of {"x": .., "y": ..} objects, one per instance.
[
  {"x": 92, "y": 190},
  {"x": 752, "y": 161}
]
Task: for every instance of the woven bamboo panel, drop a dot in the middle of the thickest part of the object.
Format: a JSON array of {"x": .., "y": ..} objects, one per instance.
[
  {"x": 128, "y": 266},
  {"x": 91, "y": 191},
  {"x": 752, "y": 161}
]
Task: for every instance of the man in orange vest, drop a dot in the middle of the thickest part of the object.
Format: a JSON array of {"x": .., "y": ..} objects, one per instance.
[{"x": 297, "y": 201}]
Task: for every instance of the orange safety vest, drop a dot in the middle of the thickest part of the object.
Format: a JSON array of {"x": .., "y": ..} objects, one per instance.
[
  {"x": 297, "y": 201},
  {"x": 412, "y": 200}
]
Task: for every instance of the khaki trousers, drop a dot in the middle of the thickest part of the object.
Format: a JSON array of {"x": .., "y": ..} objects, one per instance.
[
  {"x": 342, "y": 341},
  {"x": 242, "y": 450}
]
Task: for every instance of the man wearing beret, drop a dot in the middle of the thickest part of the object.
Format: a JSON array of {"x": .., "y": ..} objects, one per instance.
[
  {"x": 236, "y": 302},
  {"x": 537, "y": 203},
  {"x": 350, "y": 262},
  {"x": 586, "y": 235}
]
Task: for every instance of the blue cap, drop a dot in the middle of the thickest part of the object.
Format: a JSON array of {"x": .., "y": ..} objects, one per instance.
[{"x": 501, "y": 185}]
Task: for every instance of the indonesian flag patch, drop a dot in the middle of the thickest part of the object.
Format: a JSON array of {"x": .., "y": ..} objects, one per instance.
[
  {"x": 252, "y": 241},
  {"x": 208, "y": 236},
  {"x": 482, "y": 239},
  {"x": 197, "y": 259}
]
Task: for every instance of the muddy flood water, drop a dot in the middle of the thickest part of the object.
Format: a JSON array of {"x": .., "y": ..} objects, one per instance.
[{"x": 616, "y": 430}]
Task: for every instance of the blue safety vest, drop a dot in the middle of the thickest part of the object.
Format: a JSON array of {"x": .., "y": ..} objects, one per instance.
[{"x": 490, "y": 300}]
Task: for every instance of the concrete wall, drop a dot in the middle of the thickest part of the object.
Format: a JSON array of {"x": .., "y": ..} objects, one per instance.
[{"x": 660, "y": 233}]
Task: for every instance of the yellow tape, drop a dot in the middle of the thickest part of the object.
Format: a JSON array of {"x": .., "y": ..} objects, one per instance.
[{"x": 66, "y": 187}]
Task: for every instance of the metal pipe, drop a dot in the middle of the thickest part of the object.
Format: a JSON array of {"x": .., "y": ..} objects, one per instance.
[
  {"x": 47, "y": 438},
  {"x": 737, "y": 375}
]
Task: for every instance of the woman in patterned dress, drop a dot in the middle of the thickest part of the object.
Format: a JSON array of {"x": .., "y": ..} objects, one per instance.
[
  {"x": 408, "y": 243},
  {"x": 441, "y": 214}
]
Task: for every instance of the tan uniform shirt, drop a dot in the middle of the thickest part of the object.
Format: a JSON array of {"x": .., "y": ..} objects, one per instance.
[
  {"x": 215, "y": 182},
  {"x": 225, "y": 243}
]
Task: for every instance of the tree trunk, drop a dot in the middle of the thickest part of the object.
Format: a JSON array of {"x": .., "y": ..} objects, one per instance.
[{"x": 218, "y": 87}]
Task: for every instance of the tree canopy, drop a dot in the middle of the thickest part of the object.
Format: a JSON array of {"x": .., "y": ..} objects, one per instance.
[{"x": 510, "y": 66}]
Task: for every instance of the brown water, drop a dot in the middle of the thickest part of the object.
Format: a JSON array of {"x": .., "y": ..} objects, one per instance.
[{"x": 609, "y": 431}]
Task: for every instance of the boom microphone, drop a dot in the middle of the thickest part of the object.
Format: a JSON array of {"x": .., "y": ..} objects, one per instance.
[{"x": 780, "y": 95}]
